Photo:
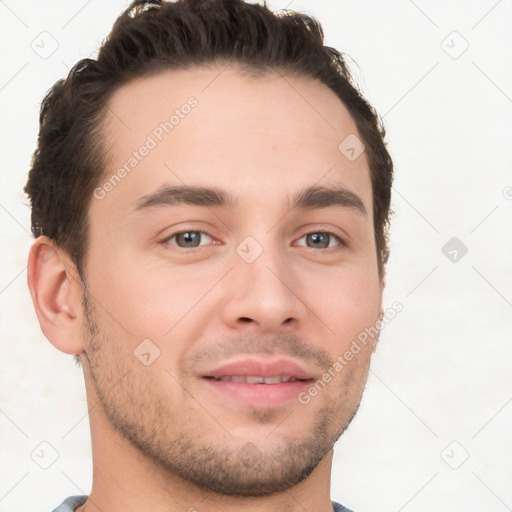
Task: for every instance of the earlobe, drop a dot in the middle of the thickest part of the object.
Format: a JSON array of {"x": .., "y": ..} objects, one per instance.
[
  {"x": 381, "y": 307},
  {"x": 56, "y": 295},
  {"x": 378, "y": 325},
  {"x": 384, "y": 271}
]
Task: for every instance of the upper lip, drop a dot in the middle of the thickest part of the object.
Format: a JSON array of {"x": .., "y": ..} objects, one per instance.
[{"x": 255, "y": 367}]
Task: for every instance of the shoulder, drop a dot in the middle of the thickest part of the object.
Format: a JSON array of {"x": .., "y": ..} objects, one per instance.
[
  {"x": 70, "y": 504},
  {"x": 339, "y": 508}
]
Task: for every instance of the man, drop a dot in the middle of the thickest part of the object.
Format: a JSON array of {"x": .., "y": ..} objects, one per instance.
[{"x": 210, "y": 199}]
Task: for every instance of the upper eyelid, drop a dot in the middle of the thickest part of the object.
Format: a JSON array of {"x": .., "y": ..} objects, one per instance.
[
  {"x": 340, "y": 237},
  {"x": 182, "y": 231},
  {"x": 340, "y": 240},
  {"x": 167, "y": 239}
]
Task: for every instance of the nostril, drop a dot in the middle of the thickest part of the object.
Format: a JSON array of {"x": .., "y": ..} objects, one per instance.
[{"x": 245, "y": 319}]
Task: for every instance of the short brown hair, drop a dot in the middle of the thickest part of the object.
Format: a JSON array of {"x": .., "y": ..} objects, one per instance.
[{"x": 153, "y": 35}]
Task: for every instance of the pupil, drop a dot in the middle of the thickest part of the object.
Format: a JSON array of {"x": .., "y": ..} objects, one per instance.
[
  {"x": 319, "y": 240},
  {"x": 188, "y": 239}
]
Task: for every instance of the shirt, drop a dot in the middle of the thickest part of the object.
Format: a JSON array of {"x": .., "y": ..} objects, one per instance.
[{"x": 73, "y": 502}]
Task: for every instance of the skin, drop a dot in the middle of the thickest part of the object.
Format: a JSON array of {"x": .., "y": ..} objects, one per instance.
[{"x": 162, "y": 439}]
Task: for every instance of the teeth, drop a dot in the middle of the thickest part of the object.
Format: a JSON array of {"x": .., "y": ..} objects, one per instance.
[
  {"x": 252, "y": 380},
  {"x": 256, "y": 379}
]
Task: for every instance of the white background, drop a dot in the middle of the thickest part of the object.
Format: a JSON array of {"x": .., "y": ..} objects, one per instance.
[{"x": 442, "y": 372}]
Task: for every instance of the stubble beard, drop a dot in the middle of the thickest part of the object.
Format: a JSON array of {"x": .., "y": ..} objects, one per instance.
[{"x": 222, "y": 464}]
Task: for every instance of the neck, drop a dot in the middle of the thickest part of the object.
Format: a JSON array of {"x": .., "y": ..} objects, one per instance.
[{"x": 128, "y": 480}]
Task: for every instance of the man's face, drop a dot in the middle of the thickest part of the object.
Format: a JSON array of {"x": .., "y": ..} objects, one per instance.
[{"x": 241, "y": 235}]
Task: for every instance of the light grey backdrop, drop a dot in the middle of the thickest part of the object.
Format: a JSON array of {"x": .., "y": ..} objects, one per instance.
[{"x": 435, "y": 425}]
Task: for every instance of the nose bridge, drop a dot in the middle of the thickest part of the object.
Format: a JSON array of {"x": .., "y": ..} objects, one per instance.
[
  {"x": 266, "y": 274},
  {"x": 262, "y": 289}
]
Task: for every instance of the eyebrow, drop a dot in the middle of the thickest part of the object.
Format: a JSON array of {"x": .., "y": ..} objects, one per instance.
[
  {"x": 198, "y": 196},
  {"x": 317, "y": 197},
  {"x": 311, "y": 198}
]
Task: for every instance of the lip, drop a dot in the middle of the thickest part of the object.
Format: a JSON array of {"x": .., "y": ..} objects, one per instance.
[
  {"x": 259, "y": 395},
  {"x": 260, "y": 368}
]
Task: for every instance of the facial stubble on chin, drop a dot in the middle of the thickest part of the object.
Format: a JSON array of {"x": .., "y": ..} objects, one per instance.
[{"x": 234, "y": 467}]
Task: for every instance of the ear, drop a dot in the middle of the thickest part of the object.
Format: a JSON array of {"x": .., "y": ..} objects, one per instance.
[
  {"x": 56, "y": 292},
  {"x": 385, "y": 258},
  {"x": 382, "y": 282}
]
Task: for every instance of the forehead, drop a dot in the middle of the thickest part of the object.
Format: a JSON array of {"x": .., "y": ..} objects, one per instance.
[{"x": 219, "y": 127}]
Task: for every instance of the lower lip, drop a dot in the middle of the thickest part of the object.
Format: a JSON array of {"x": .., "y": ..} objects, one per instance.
[{"x": 258, "y": 395}]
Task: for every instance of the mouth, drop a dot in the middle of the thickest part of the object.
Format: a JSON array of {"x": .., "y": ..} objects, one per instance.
[
  {"x": 259, "y": 383},
  {"x": 256, "y": 379}
]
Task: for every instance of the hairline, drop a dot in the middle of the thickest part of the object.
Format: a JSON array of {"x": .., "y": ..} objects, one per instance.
[{"x": 100, "y": 136}]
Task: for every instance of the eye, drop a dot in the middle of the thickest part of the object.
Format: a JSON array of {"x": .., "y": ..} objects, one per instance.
[
  {"x": 320, "y": 240},
  {"x": 189, "y": 239}
]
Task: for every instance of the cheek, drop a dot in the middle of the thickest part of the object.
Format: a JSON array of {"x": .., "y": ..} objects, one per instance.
[
  {"x": 346, "y": 300},
  {"x": 148, "y": 301}
]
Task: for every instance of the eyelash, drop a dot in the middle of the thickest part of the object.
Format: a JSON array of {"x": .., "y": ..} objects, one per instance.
[
  {"x": 167, "y": 240},
  {"x": 338, "y": 239}
]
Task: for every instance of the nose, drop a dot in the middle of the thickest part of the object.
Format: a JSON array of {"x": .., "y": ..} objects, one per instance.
[{"x": 262, "y": 296}]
